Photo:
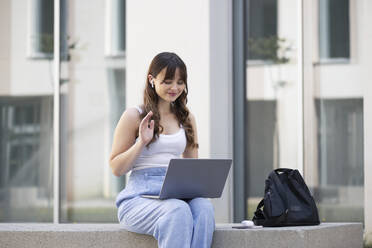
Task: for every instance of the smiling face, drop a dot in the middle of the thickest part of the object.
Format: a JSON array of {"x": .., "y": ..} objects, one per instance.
[{"x": 168, "y": 89}]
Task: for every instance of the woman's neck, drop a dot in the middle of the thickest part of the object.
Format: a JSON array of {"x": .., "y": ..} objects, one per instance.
[{"x": 164, "y": 107}]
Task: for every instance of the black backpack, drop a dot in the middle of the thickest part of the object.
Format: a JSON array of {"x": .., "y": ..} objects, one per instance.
[{"x": 287, "y": 201}]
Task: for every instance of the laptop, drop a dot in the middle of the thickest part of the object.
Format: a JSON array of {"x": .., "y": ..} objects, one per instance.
[{"x": 189, "y": 178}]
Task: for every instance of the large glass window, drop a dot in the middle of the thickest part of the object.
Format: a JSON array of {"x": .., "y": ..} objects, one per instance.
[
  {"x": 40, "y": 29},
  {"x": 40, "y": 21},
  {"x": 92, "y": 101},
  {"x": 115, "y": 28},
  {"x": 92, "y": 87},
  {"x": 338, "y": 177},
  {"x": 261, "y": 17},
  {"x": 25, "y": 161},
  {"x": 334, "y": 96},
  {"x": 26, "y": 114},
  {"x": 334, "y": 29},
  {"x": 272, "y": 92}
]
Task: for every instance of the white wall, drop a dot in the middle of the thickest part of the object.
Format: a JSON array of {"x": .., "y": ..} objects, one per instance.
[
  {"x": 183, "y": 28},
  {"x": 186, "y": 28}
]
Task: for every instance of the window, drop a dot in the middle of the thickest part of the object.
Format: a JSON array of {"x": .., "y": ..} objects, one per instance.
[
  {"x": 340, "y": 141},
  {"x": 41, "y": 28},
  {"x": 340, "y": 196},
  {"x": 262, "y": 29},
  {"x": 115, "y": 28},
  {"x": 116, "y": 83},
  {"x": 26, "y": 158},
  {"x": 334, "y": 30}
]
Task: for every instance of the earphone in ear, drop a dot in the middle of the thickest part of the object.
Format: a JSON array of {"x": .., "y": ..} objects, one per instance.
[{"x": 152, "y": 83}]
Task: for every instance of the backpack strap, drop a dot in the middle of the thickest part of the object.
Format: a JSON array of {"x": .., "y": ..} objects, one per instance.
[
  {"x": 260, "y": 219},
  {"x": 259, "y": 216}
]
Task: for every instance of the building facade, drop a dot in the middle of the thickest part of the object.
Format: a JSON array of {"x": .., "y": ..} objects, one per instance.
[{"x": 303, "y": 67}]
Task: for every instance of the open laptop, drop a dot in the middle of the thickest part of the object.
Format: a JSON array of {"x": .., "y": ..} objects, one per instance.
[{"x": 189, "y": 178}]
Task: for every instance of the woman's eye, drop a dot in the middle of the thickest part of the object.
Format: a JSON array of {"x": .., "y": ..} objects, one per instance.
[
  {"x": 180, "y": 82},
  {"x": 167, "y": 82}
]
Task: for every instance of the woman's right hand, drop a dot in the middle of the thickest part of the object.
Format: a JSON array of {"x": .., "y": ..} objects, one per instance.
[{"x": 146, "y": 129}]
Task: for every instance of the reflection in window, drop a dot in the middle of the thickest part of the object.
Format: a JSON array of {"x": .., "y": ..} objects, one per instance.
[
  {"x": 334, "y": 30},
  {"x": 41, "y": 28},
  {"x": 262, "y": 21},
  {"x": 116, "y": 82},
  {"x": 340, "y": 135},
  {"x": 115, "y": 28},
  {"x": 260, "y": 122},
  {"x": 340, "y": 159},
  {"x": 26, "y": 158}
]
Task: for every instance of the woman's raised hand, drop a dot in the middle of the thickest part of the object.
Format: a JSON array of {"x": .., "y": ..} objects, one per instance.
[{"x": 146, "y": 129}]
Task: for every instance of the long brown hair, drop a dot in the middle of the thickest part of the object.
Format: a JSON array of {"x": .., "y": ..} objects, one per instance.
[{"x": 171, "y": 62}]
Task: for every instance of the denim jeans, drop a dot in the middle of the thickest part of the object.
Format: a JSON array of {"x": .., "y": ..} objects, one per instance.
[{"x": 173, "y": 222}]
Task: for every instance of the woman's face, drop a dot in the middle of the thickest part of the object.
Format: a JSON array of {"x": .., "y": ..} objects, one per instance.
[{"x": 169, "y": 89}]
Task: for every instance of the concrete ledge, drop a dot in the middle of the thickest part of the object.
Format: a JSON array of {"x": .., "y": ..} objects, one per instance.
[{"x": 348, "y": 235}]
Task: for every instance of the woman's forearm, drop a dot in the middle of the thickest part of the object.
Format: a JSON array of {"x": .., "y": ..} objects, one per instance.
[{"x": 122, "y": 163}]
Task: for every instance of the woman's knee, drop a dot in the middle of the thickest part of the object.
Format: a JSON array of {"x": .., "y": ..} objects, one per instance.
[
  {"x": 201, "y": 204},
  {"x": 178, "y": 210},
  {"x": 175, "y": 226}
]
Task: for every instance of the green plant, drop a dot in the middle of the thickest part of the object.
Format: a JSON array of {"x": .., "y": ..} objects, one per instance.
[
  {"x": 46, "y": 45},
  {"x": 272, "y": 49}
]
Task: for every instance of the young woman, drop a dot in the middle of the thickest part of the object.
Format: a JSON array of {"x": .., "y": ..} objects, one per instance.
[{"x": 145, "y": 139}]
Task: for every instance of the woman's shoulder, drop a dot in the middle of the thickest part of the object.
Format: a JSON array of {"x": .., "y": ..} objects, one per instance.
[
  {"x": 139, "y": 108},
  {"x": 132, "y": 113}
]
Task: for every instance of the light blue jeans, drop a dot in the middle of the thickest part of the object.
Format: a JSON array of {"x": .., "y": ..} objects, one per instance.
[{"x": 173, "y": 222}]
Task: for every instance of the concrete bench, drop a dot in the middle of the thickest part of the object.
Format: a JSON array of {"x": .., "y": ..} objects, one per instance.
[{"x": 348, "y": 235}]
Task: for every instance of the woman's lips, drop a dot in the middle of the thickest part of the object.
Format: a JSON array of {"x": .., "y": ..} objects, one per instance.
[{"x": 172, "y": 94}]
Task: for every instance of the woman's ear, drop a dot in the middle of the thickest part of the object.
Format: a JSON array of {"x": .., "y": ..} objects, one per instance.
[{"x": 150, "y": 77}]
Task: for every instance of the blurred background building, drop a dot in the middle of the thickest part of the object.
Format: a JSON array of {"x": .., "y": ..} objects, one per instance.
[{"x": 307, "y": 90}]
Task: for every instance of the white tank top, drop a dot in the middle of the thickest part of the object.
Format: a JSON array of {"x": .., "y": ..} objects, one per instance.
[{"x": 160, "y": 152}]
